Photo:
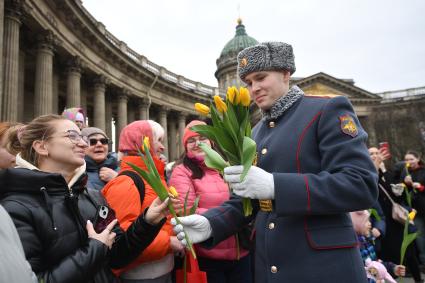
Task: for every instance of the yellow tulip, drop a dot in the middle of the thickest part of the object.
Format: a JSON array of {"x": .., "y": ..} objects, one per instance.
[
  {"x": 232, "y": 93},
  {"x": 146, "y": 142},
  {"x": 202, "y": 109},
  {"x": 407, "y": 164},
  {"x": 412, "y": 215},
  {"x": 219, "y": 103},
  {"x": 173, "y": 192},
  {"x": 244, "y": 96}
]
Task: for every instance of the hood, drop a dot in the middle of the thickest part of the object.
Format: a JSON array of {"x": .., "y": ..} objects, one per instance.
[{"x": 110, "y": 162}]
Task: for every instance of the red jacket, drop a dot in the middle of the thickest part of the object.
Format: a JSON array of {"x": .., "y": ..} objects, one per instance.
[{"x": 123, "y": 196}]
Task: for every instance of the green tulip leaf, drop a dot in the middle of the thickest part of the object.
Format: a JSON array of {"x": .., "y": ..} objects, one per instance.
[
  {"x": 213, "y": 159},
  {"x": 248, "y": 154}
]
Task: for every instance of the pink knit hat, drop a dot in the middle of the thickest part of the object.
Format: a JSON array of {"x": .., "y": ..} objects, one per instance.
[
  {"x": 188, "y": 133},
  {"x": 131, "y": 137},
  {"x": 359, "y": 219}
]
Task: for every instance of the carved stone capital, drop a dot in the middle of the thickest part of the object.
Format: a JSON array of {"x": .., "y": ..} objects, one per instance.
[
  {"x": 101, "y": 81},
  {"x": 14, "y": 9},
  {"x": 143, "y": 101},
  {"x": 75, "y": 64},
  {"x": 47, "y": 40}
]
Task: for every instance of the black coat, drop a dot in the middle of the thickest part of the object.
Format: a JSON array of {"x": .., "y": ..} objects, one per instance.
[{"x": 51, "y": 219}]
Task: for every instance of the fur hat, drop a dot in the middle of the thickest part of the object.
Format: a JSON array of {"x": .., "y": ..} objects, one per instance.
[
  {"x": 92, "y": 131},
  {"x": 266, "y": 56},
  {"x": 188, "y": 133}
]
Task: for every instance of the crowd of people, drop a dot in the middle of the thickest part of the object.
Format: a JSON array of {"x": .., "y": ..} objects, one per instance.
[{"x": 73, "y": 211}]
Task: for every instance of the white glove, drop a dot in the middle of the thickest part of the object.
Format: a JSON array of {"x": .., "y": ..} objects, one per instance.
[
  {"x": 197, "y": 228},
  {"x": 258, "y": 184}
]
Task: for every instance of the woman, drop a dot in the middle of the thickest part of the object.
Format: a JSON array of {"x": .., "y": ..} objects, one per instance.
[
  {"x": 101, "y": 165},
  {"x": 7, "y": 158},
  {"x": 413, "y": 176},
  {"x": 54, "y": 213},
  {"x": 391, "y": 242},
  {"x": 194, "y": 178},
  {"x": 155, "y": 264}
]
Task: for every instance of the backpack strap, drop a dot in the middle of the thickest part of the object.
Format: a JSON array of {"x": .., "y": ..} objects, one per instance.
[{"x": 138, "y": 181}]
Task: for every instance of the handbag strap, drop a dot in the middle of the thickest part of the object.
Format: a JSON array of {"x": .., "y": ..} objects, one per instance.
[{"x": 385, "y": 191}]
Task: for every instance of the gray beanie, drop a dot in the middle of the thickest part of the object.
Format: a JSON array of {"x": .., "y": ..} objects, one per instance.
[
  {"x": 87, "y": 132},
  {"x": 266, "y": 56}
]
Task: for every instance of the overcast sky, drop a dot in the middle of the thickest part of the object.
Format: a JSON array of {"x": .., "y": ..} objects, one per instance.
[{"x": 380, "y": 44}]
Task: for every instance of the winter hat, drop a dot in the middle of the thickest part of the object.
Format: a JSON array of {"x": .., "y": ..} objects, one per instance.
[
  {"x": 359, "y": 219},
  {"x": 266, "y": 56},
  {"x": 87, "y": 132},
  {"x": 131, "y": 137},
  {"x": 74, "y": 114},
  {"x": 188, "y": 133}
]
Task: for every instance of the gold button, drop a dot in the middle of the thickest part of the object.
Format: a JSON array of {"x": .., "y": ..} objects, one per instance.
[
  {"x": 271, "y": 225},
  {"x": 272, "y": 124},
  {"x": 264, "y": 151},
  {"x": 273, "y": 269}
]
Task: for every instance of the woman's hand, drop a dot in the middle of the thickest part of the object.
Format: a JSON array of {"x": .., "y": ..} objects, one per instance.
[
  {"x": 408, "y": 180},
  {"x": 106, "y": 237},
  {"x": 107, "y": 174},
  {"x": 157, "y": 211},
  {"x": 176, "y": 246}
]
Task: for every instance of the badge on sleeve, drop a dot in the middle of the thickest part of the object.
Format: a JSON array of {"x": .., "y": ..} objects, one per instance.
[{"x": 348, "y": 126}]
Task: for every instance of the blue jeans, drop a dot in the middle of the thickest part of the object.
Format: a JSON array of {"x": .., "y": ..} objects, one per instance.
[{"x": 227, "y": 271}]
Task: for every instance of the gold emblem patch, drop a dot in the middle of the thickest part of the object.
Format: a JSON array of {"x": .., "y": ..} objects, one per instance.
[
  {"x": 348, "y": 126},
  {"x": 243, "y": 62}
]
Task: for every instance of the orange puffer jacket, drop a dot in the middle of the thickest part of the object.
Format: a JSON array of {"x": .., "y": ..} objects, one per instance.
[{"x": 123, "y": 196}]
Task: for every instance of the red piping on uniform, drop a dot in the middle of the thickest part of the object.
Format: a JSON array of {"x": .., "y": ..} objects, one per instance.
[
  {"x": 298, "y": 155},
  {"x": 301, "y": 140}
]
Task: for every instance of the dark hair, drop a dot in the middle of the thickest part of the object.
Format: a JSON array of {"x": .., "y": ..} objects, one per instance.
[
  {"x": 415, "y": 154},
  {"x": 197, "y": 172}
]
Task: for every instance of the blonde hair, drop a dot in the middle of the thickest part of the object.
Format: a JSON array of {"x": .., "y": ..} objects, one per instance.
[
  {"x": 38, "y": 129},
  {"x": 157, "y": 130},
  {"x": 12, "y": 143}
]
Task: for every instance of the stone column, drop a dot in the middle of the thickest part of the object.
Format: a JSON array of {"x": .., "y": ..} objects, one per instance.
[
  {"x": 163, "y": 121},
  {"x": 108, "y": 117},
  {"x": 182, "y": 124},
  {"x": 55, "y": 98},
  {"x": 73, "y": 84},
  {"x": 144, "y": 109},
  {"x": 99, "y": 102},
  {"x": 43, "y": 93},
  {"x": 21, "y": 87},
  {"x": 122, "y": 112},
  {"x": 12, "y": 24},
  {"x": 172, "y": 145},
  {"x": 1, "y": 53}
]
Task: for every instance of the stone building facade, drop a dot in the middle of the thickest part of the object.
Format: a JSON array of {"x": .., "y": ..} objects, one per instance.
[{"x": 57, "y": 55}]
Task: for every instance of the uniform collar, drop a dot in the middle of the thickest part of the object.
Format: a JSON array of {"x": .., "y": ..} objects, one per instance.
[{"x": 283, "y": 103}]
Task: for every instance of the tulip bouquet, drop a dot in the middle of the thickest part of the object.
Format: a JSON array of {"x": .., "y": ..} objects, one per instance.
[
  {"x": 151, "y": 176},
  {"x": 231, "y": 132}
]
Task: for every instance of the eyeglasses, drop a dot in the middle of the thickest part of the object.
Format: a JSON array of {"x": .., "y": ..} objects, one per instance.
[
  {"x": 74, "y": 136},
  {"x": 103, "y": 141},
  {"x": 194, "y": 140}
]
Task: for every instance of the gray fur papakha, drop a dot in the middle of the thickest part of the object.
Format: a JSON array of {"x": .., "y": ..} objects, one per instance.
[{"x": 266, "y": 56}]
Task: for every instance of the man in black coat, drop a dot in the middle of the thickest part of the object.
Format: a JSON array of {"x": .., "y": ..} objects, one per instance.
[{"x": 313, "y": 168}]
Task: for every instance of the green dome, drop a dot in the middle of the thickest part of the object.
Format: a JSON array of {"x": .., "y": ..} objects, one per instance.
[{"x": 241, "y": 41}]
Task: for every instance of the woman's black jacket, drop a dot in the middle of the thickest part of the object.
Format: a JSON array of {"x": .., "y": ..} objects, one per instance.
[{"x": 51, "y": 221}]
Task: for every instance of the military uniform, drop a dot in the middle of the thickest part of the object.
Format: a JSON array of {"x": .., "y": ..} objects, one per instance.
[{"x": 322, "y": 170}]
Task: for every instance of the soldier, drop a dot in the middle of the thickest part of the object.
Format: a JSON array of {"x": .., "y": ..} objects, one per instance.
[{"x": 313, "y": 168}]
